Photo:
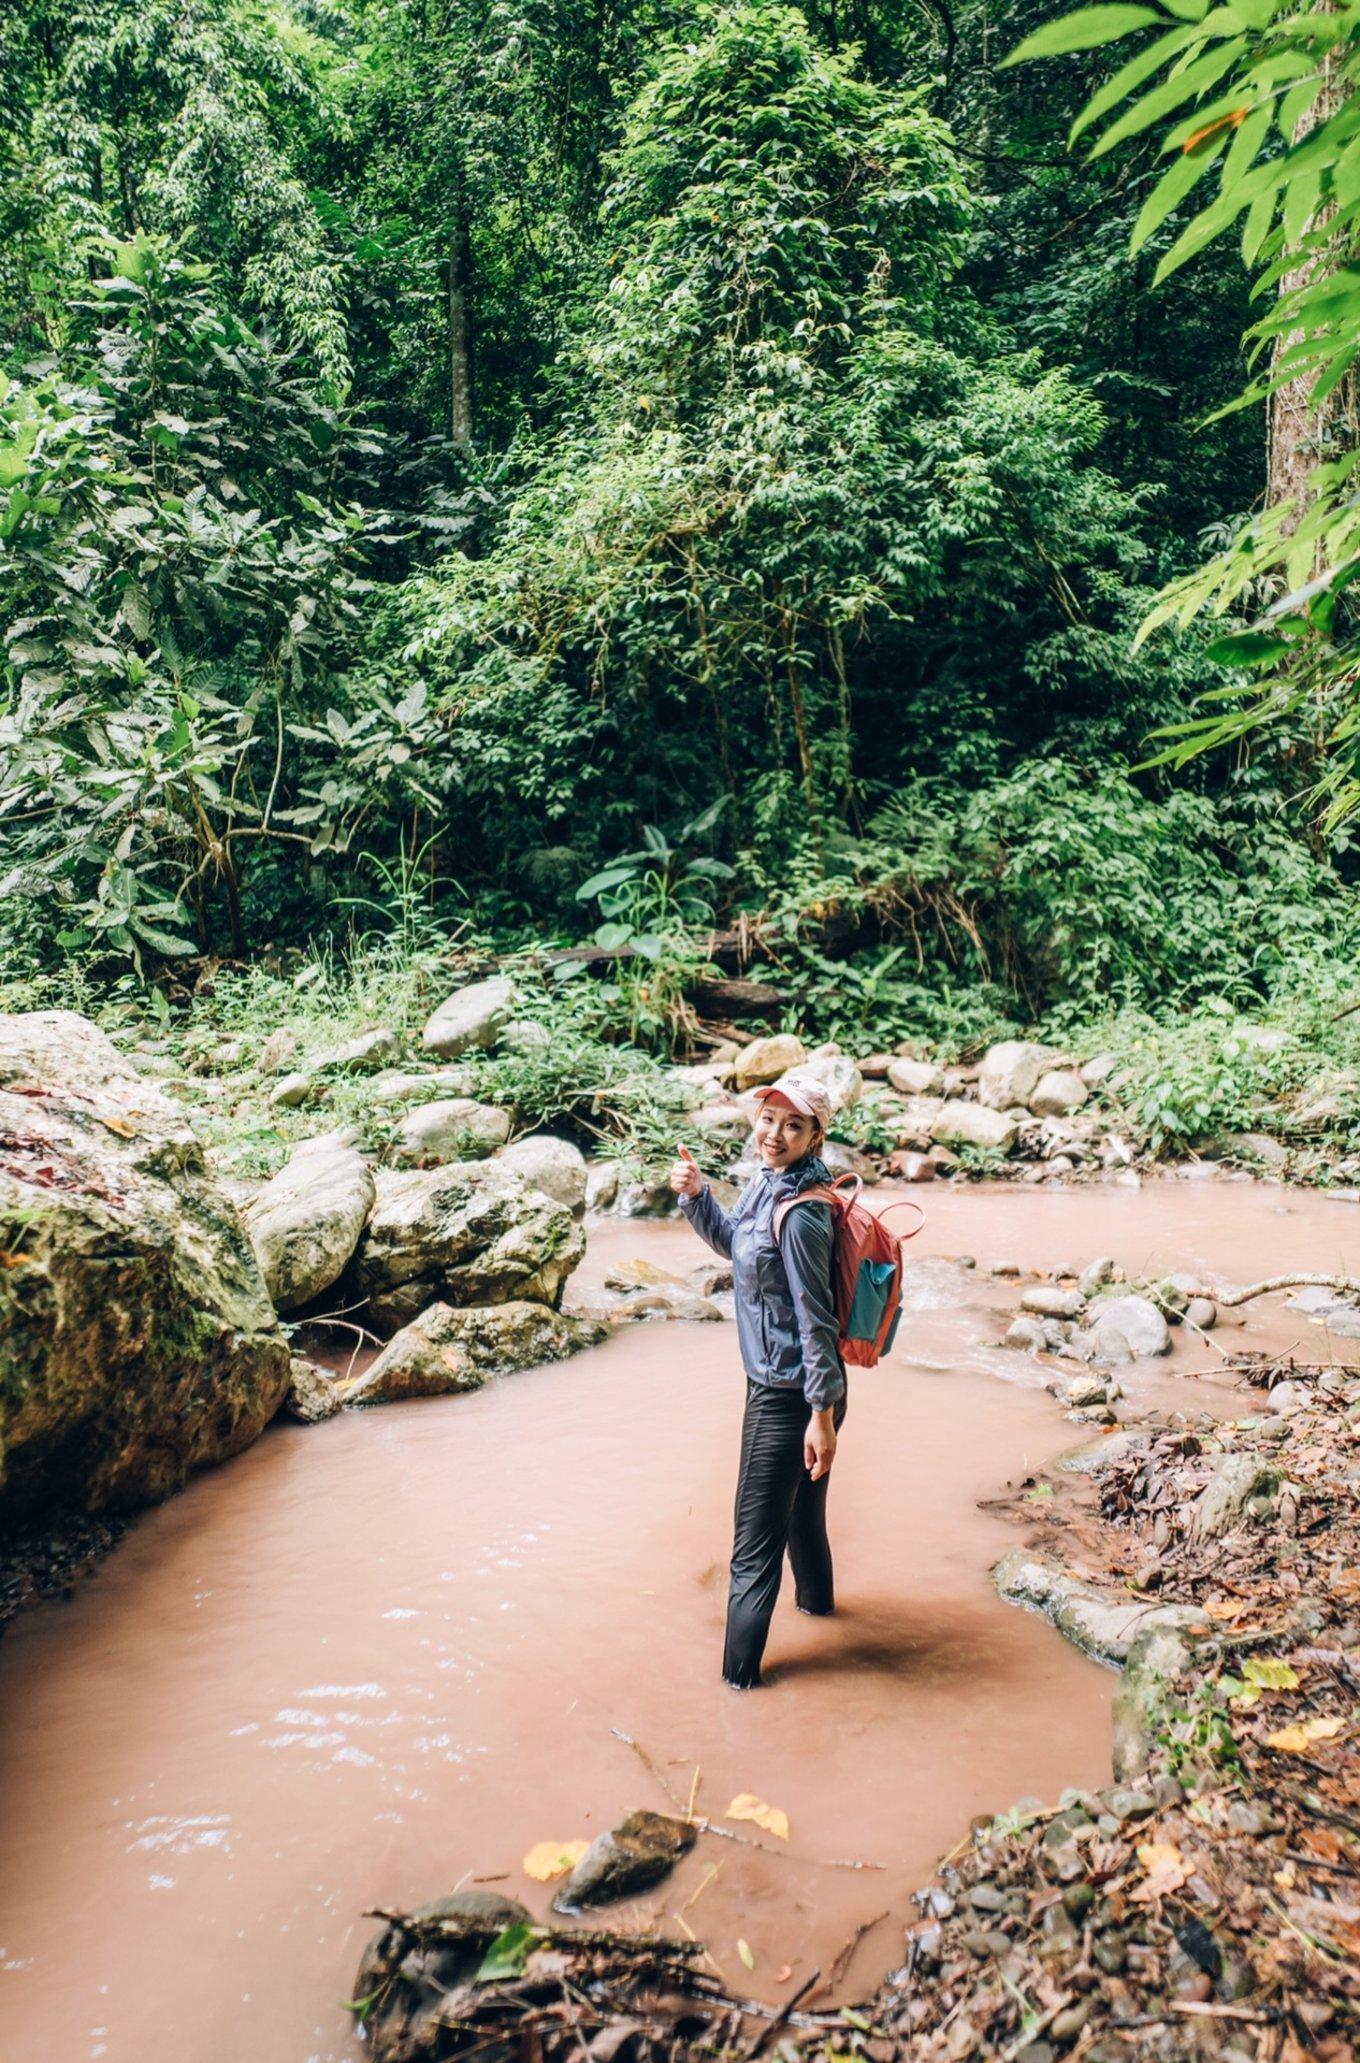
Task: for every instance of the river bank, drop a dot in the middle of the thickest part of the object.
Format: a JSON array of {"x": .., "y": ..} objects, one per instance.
[{"x": 381, "y": 1655}]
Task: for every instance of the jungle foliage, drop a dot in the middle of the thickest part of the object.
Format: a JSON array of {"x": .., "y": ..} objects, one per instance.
[{"x": 443, "y": 450}]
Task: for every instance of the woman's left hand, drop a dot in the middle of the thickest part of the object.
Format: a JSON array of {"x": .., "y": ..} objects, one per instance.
[{"x": 819, "y": 1444}]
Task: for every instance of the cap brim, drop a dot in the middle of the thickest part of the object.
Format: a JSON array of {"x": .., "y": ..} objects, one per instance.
[{"x": 790, "y": 1097}]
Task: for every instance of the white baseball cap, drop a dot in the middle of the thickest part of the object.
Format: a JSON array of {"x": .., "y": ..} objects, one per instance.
[{"x": 806, "y": 1091}]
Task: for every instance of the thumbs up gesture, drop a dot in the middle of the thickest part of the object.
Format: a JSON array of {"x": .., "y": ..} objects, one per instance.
[{"x": 685, "y": 1176}]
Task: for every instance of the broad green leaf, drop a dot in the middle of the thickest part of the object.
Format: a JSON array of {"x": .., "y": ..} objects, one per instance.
[
  {"x": 508, "y": 1953},
  {"x": 608, "y": 877},
  {"x": 1133, "y": 74},
  {"x": 1197, "y": 78},
  {"x": 1268, "y": 1673},
  {"x": 1171, "y": 190},
  {"x": 1087, "y": 29}
]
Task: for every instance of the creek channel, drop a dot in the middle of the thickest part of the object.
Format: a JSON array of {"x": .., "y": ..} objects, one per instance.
[{"x": 378, "y": 1658}]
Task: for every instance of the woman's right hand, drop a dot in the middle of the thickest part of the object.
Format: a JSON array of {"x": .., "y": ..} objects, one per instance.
[{"x": 685, "y": 1176}]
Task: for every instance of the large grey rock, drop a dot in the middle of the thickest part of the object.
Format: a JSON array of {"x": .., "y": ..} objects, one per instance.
[
  {"x": 137, "y": 1339},
  {"x": 1102, "y": 1624},
  {"x": 971, "y": 1124},
  {"x": 631, "y": 1857},
  {"x": 305, "y": 1224},
  {"x": 1242, "y": 1486},
  {"x": 840, "y": 1076},
  {"x": 1047, "y": 1300},
  {"x": 764, "y": 1060},
  {"x": 722, "y": 1120},
  {"x": 551, "y": 1164},
  {"x": 915, "y": 1077},
  {"x": 454, "y": 1128},
  {"x": 910, "y": 1120},
  {"x": 1135, "y": 1320},
  {"x": 1010, "y": 1072},
  {"x": 446, "y": 1349},
  {"x": 471, "y": 1017},
  {"x": 372, "y": 1049},
  {"x": 469, "y": 1233},
  {"x": 1058, "y": 1091}
]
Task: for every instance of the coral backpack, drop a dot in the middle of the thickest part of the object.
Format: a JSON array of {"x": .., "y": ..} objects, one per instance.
[{"x": 866, "y": 1266}]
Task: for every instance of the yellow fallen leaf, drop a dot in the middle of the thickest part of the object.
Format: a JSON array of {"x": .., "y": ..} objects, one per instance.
[
  {"x": 1166, "y": 1870},
  {"x": 1269, "y": 1674},
  {"x": 549, "y": 1859},
  {"x": 1225, "y": 1608},
  {"x": 119, "y": 1125},
  {"x": 1293, "y": 1740},
  {"x": 744, "y": 1951},
  {"x": 1285, "y": 1877},
  {"x": 747, "y": 1806}
]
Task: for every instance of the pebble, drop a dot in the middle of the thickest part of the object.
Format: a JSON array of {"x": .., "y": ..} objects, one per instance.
[
  {"x": 1077, "y": 1900},
  {"x": 1110, "y": 1953},
  {"x": 1128, "y": 1803},
  {"x": 986, "y": 1898},
  {"x": 1201, "y": 1312}
]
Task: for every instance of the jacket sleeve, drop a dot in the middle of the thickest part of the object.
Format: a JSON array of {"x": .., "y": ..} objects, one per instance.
[
  {"x": 806, "y": 1243},
  {"x": 710, "y": 1220}
]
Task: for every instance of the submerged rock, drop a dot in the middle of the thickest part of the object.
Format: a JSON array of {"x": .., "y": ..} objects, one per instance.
[
  {"x": 446, "y": 1350},
  {"x": 305, "y": 1224},
  {"x": 471, "y": 1017},
  {"x": 137, "y": 1339},
  {"x": 470, "y": 1233},
  {"x": 637, "y": 1853}
]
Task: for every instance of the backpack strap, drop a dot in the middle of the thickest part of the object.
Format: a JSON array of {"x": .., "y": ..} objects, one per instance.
[
  {"x": 833, "y": 1193},
  {"x": 904, "y": 1203}
]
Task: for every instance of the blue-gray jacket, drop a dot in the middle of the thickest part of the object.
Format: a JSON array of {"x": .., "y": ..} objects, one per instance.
[{"x": 786, "y": 1319}]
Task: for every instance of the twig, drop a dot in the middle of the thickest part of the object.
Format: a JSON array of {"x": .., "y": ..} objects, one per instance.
[
  {"x": 772, "y": 2027},
  {"x": 846, "y": 1955}
]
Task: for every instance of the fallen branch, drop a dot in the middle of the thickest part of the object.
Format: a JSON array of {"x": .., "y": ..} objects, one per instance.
[{"x": 1228, "y": 1299}]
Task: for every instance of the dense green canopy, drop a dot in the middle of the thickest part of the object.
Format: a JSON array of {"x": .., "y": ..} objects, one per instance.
[{"x": 439, "y": 443}]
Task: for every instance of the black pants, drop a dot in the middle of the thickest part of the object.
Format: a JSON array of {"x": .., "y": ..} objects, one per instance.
[{"x": 778, "y": 1507}]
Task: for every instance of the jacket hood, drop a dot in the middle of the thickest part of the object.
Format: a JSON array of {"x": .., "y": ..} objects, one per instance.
[{"x": 804, "y": 1174}]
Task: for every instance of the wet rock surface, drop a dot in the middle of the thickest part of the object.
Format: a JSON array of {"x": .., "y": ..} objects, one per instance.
[
  {"x": 138, "y": 1341},
  {"x": 631, "y": 1857},
  {"x": 305, "y": 1224},
  {"x": 447, "y": 1349},
  {"x": 464, "y": 1234}
]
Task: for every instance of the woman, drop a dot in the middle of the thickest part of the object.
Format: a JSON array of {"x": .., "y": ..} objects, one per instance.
[{"x": 795, "y": 1380}]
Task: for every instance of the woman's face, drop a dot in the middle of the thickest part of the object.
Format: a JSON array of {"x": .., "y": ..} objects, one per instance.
[{"x": 783, "y": 1134}]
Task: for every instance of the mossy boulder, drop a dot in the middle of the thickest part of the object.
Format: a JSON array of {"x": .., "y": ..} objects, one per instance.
[
  {"x": 137, "y": 1340},
  {"x": 470, "y": 1233}
]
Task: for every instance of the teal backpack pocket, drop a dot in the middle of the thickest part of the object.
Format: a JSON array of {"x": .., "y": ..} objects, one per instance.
[{"x": 873, "y": 1287}]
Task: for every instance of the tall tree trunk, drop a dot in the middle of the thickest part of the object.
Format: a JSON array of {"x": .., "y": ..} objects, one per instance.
[
  {"x": 460, "y": 338},
  {"x": 1298, "y": 435}
]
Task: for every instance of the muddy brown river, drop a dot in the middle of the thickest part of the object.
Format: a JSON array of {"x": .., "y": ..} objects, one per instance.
[{"x": 375, "y": 1659}]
